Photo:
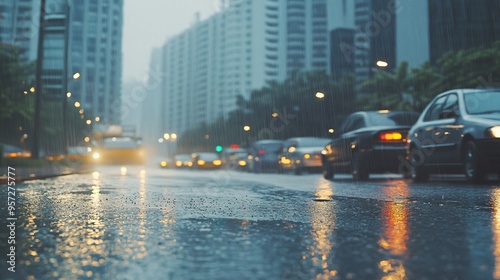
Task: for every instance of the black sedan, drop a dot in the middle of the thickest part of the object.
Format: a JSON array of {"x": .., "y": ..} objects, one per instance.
[
  {"x": 458, "y": 132},
  {"x": 368, "y": 142}
]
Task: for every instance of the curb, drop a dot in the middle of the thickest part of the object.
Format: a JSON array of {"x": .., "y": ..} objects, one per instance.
[{"x": 29, "y": 174}]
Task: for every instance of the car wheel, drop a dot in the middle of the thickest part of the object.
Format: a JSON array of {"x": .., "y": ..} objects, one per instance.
[
  {"x": 358, "y": 168},
  {"x": 327, "y": 170},
  {"x": 297, "y": 170},
  {"x": 419, "y": 173},
  {"x": 472, "y": 168}
]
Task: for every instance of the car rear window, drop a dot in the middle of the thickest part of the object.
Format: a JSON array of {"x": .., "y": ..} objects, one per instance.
[
  {"x": 272, "y": 147},
  {"x": 483, "y": 102},
  {"x": 393, "y": 119},
  {"x": 313, "y": 142}
]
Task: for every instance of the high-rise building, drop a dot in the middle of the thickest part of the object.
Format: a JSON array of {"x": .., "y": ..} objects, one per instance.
[
  {"x": 375, "y": 37},
  {"x": 342, "y": 29},
  {"x": 95, "y": 45},
  {"x": 305, "y": 42},
  {"x": 342, "y": 52},
  {"x": 462, "y": 24},
  {"x": 55, "y": 50},
  {"x": 19, "y": 23},
  {"x": 426, "y": 30},
  {"x": 245, "y": 46}
]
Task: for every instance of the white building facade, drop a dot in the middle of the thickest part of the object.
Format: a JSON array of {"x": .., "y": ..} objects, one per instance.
[
  {"x": 19, "y": 23},
  {"x": 95, "y": 46},
  {"x": 243, "y": 47}
]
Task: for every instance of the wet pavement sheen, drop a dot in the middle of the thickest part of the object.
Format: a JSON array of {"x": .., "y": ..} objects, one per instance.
[{"x": 133, "y": 223}]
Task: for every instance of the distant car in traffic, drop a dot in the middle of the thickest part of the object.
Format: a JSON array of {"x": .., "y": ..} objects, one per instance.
[
  {"x": 166, "y": 163},
  {"x": 368, "y": 142},
  {"x": 458, "y": 132},
  {"x": 228, "y": 152},
  {"x": 80, "y": 154},
  {"x": 263, "y": 156},
  {"x": 206, "y": 160},
  {"x": 238, "y": 161},
  {"x": 119, "y": 150},
  {"x": 183, "y": 161},
  {"x": 302, "y": 153}
]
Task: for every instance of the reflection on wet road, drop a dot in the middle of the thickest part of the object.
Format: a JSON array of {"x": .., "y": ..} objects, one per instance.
[{"x": 132, "y": 223}]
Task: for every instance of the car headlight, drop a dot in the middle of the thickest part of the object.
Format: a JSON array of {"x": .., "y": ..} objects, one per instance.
[
  {"x": 495, "y": 131},
  {"x": 201, "y": 162},
  {"x": 163, "y": 164},
  {"x": 307, "y": 156},
  {"x": 217, "y": 162}
]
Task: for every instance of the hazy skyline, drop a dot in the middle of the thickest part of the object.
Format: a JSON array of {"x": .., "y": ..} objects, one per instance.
[{"x": 148, "y": 24}]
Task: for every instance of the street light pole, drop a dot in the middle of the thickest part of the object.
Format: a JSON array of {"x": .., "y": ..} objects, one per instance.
[{"x": 35, "y": 151}]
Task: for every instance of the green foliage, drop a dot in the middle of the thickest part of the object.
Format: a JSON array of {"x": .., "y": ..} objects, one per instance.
[
  {"x": 474, "y": 68},
  {"x": 15, "y": 95},
  {"x": 279, "y": 111},
  {"x": 17, "y": 104}
]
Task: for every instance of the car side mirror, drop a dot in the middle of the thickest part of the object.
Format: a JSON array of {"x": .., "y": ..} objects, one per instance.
[{"x": 448, "y": 114}]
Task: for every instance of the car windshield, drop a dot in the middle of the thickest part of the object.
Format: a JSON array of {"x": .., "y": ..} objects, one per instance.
[
  {"x": 482, "y": 102},
  {"x": 182, "y": 157},
  {"x": 393, "y": 119},
  {"x": 120, "y": 143},
  {"x": 313, "y": 142},
  {"x": 207, "y": 156}
]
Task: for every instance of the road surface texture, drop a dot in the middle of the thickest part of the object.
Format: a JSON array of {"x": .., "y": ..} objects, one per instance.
[{"x": 148, "y": 223}]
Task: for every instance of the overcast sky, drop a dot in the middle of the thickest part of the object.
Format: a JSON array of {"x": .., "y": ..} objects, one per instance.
[{"x": 148, "y": 24}]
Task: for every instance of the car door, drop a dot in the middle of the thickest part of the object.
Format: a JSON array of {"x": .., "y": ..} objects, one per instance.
[
  {"x": 448, "y": 132},
  {"x": 427, "y": 138},
  {"x": 347, "y": 140},
  {"x": 338, "y": 152}
]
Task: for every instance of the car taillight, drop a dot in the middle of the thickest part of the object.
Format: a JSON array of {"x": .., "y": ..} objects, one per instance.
[
  {"x": 391, "y": 136},
  {"x": 262, "y": 152}
]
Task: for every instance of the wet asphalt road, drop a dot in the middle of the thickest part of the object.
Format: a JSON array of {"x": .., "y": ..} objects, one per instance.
[{"x": 169, "y": 224}]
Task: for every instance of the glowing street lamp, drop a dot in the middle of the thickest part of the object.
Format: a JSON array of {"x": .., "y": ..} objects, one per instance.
[
  {"x": 173, "y": 136},
  {"x": 68, "y": 94},
  {"x": 88, "y": 122},
  {"x": 97, "y": 119},
  {"x": 166, "y": 136},
  {"x": 76, "y": 76},
  {"x": 382, "y": 64},
  {"x": 77, "y": 104},
  {"x": 320, "y": 95},
  {"x": 246, "y": 128}
]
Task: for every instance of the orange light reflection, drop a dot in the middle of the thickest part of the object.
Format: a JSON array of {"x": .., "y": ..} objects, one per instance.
[
  {"x": 395, "y": 215},
  {"x": 495, "y": 227},
  {"x": 323, "y": 224}
]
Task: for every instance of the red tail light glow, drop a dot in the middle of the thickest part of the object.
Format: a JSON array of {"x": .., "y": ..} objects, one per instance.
[
  {"x": 391, "y": 136},
  {"x": 262, "y": 152}
]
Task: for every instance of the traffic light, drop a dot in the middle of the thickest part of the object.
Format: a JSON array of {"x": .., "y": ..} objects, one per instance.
[{"x": 218, "y": 148}]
